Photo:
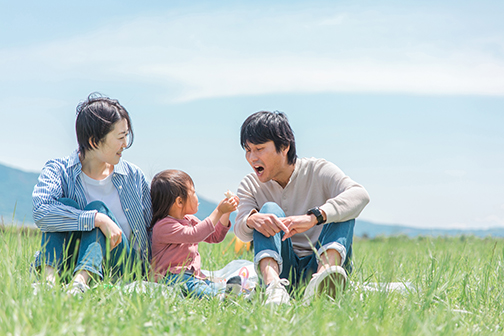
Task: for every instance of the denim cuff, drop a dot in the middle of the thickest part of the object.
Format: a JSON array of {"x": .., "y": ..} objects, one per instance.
[
  {"x": 267, "y": 254},
  {"x": 88, "y": 269},
  {"x": 333, "y": 246},
  {"x": 40, "y": 261}
]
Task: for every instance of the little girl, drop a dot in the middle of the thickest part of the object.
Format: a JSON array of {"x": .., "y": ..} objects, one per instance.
[{"x": 176, "y": 232}]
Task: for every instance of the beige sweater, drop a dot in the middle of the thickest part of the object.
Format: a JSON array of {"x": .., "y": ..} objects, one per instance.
[{"x": 314, "y": 182}]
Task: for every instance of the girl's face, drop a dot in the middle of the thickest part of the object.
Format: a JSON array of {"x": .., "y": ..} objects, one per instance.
[
  {"x": 110, "y": 149},
  {"x": 191, "y": 203}
]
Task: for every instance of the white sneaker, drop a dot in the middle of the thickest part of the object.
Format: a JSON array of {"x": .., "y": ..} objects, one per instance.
[
  {"x": 276, "y": 294},
  {"x": 330, "y": 282},
  {"x": 234, "y": 286},
  {"x": 77, "y": 288},
  {"x": 40, "y": 286}
]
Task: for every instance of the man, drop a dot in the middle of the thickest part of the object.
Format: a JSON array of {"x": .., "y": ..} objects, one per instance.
[{"x": 300, "y": 212}]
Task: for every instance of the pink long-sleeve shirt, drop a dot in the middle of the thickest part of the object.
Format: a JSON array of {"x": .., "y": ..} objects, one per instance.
[{"x": 175, "y": 244}]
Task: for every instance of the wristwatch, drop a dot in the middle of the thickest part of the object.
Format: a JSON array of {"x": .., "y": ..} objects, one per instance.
[{"x": 316, "y": 212}]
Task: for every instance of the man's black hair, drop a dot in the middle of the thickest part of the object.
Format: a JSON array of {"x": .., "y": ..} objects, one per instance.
[
  {"x": 96, "y": 117},
  {"x": 264, "y": 126}
]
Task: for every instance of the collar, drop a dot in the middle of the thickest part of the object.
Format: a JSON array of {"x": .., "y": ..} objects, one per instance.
[
  {"x": 292, "y": 177},
  {"x": 74, "y": 161},
  {"x": 187, "y": 220},
  {"x": 297, "y": 167},
  {"x": 120, "y": 168}
]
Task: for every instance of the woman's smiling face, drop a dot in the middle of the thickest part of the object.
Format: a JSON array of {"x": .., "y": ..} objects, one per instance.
[
  {"x": 110, "y": 149},
  {"x": 267, "y": 163}
]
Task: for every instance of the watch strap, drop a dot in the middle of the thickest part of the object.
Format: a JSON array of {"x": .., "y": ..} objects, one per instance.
[{"x": 318, "y": 214}]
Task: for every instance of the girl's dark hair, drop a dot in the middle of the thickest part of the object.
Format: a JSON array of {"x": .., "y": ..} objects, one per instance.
[
  {"x": 166, "y": 186},
  {"x": 264, "y": 126},
  {"x": 96, "y": 117}
]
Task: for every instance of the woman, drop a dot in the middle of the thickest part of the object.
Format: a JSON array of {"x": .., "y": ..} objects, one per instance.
[{"x": 92, "y": 202}]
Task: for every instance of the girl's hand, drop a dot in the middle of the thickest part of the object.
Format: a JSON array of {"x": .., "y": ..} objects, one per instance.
[
  {"x": 222, "y": 211},
  {"x": 228, "y": 205},
  {"x": 109, "y": 229}
]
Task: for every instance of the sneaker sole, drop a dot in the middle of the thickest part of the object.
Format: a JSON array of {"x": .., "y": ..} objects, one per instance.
[
  {"x": 332, "y": 285},
  {"x": 233, "y": 289}
]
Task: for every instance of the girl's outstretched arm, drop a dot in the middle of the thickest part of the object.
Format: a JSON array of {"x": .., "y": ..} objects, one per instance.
[
  {"x": 221, "y": 229},
  {"x": 225, "y": 207}
]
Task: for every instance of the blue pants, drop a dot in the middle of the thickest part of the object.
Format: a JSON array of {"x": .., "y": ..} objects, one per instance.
[
  {"x": 87, "y": 250},
  {"x": 337, "y": 236},
  {"x": 193, "y": 286}
]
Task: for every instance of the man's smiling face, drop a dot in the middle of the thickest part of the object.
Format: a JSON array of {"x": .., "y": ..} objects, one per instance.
[{"x": 267, "y": 163}]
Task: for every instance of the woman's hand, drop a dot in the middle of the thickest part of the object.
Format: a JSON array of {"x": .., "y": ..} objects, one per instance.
[{"x": 109, "y": 229}]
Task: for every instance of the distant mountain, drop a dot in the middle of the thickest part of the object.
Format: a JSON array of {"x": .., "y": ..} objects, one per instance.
[
  {"x": 372, "y": 230},
  {"x": 16, "y": 187}
]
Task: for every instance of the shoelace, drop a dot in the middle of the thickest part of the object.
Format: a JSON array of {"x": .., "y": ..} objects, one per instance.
[
  {"x": 284, "y": 282},
  {"x": 276, "y": 283},
  {"x": 79, "y": 286}
]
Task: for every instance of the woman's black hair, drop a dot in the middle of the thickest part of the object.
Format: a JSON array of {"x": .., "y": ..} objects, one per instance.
[
  {"x": 166, "y": 186},
  {"x": 96, "y": 117},
  {"x": 264, "y": 126}
]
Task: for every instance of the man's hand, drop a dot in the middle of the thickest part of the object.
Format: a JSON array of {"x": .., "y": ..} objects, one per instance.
[
  {"x": 298, "y": 224},
  {"x": 109, "y": 229},
  {"x": 267, "y": 224}
]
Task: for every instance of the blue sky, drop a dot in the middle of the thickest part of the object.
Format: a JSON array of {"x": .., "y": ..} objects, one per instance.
[{"x": 406, "y": 97}]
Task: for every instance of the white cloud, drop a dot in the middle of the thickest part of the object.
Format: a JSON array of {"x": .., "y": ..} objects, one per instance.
[
  {"x": 217, "y": 77},
  {"x": 490, "y": 221},
  {"x": 221, "y": 54}
]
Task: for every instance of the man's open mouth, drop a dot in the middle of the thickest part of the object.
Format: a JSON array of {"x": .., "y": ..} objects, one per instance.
[{"x": 259, "y": 169}]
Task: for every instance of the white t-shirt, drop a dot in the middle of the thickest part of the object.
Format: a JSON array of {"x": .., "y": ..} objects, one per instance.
[{"x": 104, "y": 190}]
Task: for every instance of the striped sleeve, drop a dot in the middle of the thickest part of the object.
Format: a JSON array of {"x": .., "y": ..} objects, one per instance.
[{"x": 49, "y": 214}]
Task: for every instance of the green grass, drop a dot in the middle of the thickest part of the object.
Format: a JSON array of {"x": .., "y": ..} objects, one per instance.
[{"x": 459, "y": 282}]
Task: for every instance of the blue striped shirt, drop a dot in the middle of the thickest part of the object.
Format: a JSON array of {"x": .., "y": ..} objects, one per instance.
[{"x": 60, "y": 178}]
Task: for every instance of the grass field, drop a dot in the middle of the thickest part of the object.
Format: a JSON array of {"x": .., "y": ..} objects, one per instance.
[{"x": 459, "y": 291}]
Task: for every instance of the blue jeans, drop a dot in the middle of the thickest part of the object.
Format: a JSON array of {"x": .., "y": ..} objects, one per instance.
[
  {"x": 87, "y": 250},
  {"x": 337, "y": 236},
  {"x": 193, "y": 286}
]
